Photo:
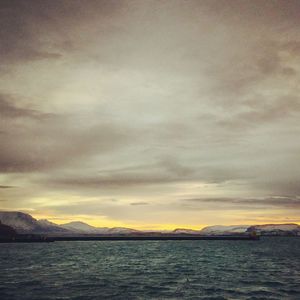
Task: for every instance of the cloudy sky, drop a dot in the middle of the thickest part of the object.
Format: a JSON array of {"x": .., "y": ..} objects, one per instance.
[{"x": 151, "y": 114}]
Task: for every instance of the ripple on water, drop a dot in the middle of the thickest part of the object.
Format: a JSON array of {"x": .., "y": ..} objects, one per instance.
[{"x": 268, "y": 269}]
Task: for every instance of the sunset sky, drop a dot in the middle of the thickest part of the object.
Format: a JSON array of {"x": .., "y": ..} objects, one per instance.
[{"x": 151, "y": 114}]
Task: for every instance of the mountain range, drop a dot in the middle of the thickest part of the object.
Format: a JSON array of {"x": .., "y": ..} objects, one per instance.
[{"x": 24, "y": 223}]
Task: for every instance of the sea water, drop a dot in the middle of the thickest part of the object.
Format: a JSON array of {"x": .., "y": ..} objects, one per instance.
[{"x": 265, "y": 269}]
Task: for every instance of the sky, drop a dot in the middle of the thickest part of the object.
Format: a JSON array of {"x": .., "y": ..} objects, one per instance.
[{"x": 151, "y": 114}]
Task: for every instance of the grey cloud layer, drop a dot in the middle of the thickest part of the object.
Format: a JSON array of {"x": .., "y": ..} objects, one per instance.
[
  {"x": 33, "y": 141},
  {"x": 148, "y": 97},
  {"x": 279, "y": 201}
]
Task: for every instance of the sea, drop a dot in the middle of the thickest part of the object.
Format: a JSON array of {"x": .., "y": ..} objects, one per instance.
[{"x": 265, "y": 269}]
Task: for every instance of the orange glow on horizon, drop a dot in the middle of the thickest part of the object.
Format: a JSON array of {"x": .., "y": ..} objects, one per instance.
[{"x": 104, "y": 222}]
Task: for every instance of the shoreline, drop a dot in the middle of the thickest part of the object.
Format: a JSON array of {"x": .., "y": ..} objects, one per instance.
[{"x": 44, "y": 239}]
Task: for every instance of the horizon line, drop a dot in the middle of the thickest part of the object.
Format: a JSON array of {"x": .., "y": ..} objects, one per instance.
[{"x": 150, "y": 227}]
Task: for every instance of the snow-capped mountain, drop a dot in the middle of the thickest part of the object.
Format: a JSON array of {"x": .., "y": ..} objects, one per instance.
[
  {"x": 276, "y": 229},
  {"x": 25, "y": 223},
  {"x": 81, "y": 227},
  {"x": 47, "y": 226},
  {"x": 21, "y": 222},
  {"x": 186, "y": 231},
  {"x": 222, "y": 229},
  {"x": 266, "y": 229}
]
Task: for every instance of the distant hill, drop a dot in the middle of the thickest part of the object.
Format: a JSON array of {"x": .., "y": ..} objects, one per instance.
[
  {"x": 25, "y": 223},
  {"x": 275, "y": 229},
  {"x": 222, "y": 229},
  {"x": 185, "y": 231},
  {"x": 81, "y": 227},
  {"x": 266, "y": 229}
]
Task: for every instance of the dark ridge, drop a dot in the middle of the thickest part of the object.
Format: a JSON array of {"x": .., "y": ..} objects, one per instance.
[
  {"x": 6, "y": 231},
  {"x": 27, "y": 238}
]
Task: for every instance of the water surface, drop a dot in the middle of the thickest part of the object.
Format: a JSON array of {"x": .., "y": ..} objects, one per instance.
[{"x": 265, "y": 269}]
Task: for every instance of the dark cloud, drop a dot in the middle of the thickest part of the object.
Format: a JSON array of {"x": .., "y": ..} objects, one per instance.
[
  {"x": 33, "y": 140},
  {"x": 274, "y": 201},
  {"x": 47, "y": 148},
  {"x": 6, "y": 186},
  {"x": 161, "y": 172},
  {"x": 10, "y": 109},
  {"x": 17, "y": 34},
  {"x": 115, "y": 181},
  {"x": 139, "y": 203},
  {"x": 39, "y": 30},
  {"x": 260, "y": 111}
]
